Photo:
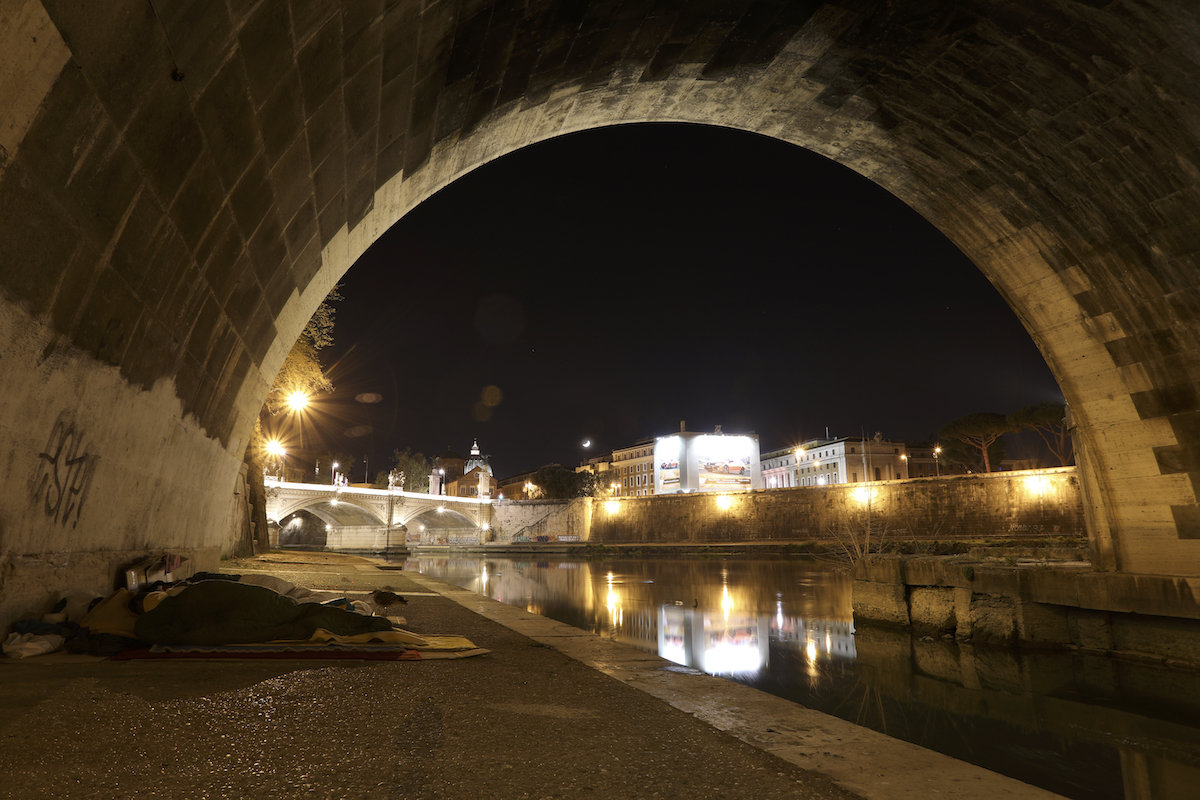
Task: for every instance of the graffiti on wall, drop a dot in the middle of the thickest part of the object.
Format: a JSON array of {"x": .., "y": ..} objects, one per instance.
[{"x": 64, "y": 473}]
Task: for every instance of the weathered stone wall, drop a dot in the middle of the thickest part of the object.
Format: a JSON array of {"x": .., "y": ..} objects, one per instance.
[
  {"x": 542, "y": 520},
  {"x": 83, "y": 494},
  {"x": 1033, "y": 603},
  {"x": 1009, "y": 504}
]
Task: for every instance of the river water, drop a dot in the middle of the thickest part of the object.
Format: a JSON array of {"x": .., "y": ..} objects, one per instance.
[{"x": 1083, "y": 726}]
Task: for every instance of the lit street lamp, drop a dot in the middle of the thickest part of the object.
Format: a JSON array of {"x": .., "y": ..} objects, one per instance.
[
  {"x": 297, "y": 401},
  {"x": 276, "y": 451}
]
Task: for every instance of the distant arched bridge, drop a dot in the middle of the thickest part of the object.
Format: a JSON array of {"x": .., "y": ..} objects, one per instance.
[{"x": 358, "y": 518}]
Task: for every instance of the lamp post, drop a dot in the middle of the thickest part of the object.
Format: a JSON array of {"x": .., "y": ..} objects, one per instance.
[
  {"x": 276, "y": 451},
  {"x": 937, "y": 464},
  {"x": 296, "y": 401}
]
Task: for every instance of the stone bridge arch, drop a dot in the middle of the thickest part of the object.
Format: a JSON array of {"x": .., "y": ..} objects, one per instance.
[
  {"x": 345, "y": 512},
  {"x": 181, "y": 184},
  {"x": 406, "y": 516},
  {"x": 359, "y": 507}
]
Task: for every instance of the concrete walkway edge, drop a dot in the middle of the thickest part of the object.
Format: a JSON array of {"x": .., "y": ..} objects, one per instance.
[{"x": 872, "y": 764}]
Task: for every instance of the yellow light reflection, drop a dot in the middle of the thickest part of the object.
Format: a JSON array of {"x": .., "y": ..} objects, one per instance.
[
  {"x": 724, "y": 502},
  {"x": 726, "y": 602},
  {"x": 810, "y": 658},
  {"x": 1038, "y": 485},
  {"x": 612, "y": 506},
  {"x": 613, "y": 602},
  {"x": 863, "y": 495}
]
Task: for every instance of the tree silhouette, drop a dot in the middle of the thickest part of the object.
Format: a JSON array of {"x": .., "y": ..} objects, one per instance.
[
  {"x": 1049, "y": 421},
  {"x": 982, "y": 434}
]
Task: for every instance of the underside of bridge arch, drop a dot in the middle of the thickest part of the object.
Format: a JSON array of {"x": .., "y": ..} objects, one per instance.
[
  {"x": 433, "y": 518},
  {"x": 182, "y": 183},
  {"x": 340, "y": 514}
]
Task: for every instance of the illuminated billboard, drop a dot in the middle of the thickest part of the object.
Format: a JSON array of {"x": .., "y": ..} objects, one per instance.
[
  {"x": 696, "y": 462},
  {"x": 666, "y": 464},
  {"x": 724, "y": 463}
]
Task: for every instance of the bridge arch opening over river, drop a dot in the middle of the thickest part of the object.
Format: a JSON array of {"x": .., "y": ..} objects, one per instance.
[
  {"x": 361, "y": 518},
  {"x": 181, "y": 187}
]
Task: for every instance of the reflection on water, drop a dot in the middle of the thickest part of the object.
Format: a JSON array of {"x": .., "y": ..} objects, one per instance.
[
  {"x": 1082, "y": 726},
  {"x": 717, "y": 617}
]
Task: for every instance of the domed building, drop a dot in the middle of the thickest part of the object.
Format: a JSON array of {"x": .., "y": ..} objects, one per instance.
[{"x": 477, "y": 479}]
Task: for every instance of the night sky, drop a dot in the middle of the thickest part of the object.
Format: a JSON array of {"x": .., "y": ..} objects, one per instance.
[{"x": 611, "y": 283}]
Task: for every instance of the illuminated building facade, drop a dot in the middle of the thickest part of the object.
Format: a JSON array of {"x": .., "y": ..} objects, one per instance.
[
  {"x": 706, "y": 462},
  {"x": 923, "y": 462},
  {"x": 779, "y": 469},
  {"x": 687, "y": 462},
  {"x": 821, "y": 462},
  {"x": 634, "y": 468},
  {"x": 476, "y": 479}
]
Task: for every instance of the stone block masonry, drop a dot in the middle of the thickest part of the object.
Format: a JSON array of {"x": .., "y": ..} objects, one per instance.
[
  {"x": 1010, "y": 505},
  {"x": 1031, "y": 603}
]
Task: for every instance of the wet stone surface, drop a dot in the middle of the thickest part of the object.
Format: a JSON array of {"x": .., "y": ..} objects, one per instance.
[{"x": 524, "y": 721}]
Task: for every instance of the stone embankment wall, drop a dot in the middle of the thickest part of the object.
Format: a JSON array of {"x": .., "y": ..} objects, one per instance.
[
  {"x": 1033, "y": 603},
  {"x": 541, "y": 521},
  {"x": 1011, "y": 505},
  {"x": 1032, "y": 503}
]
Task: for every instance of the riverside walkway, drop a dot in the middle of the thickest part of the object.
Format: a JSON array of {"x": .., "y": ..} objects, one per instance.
[{"x": 550, "y": 712}]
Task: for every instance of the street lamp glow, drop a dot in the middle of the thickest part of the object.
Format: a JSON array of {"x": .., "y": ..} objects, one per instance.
[
  {"x": 275, "y": 448},
  {"x": 863, "y": 495},
  {"x": 297, "y": 400}
]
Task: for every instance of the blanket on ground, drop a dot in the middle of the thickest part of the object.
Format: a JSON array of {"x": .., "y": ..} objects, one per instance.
[
  {"x": 323, "y": 645},
  {"x": 226, "y": 612}
]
